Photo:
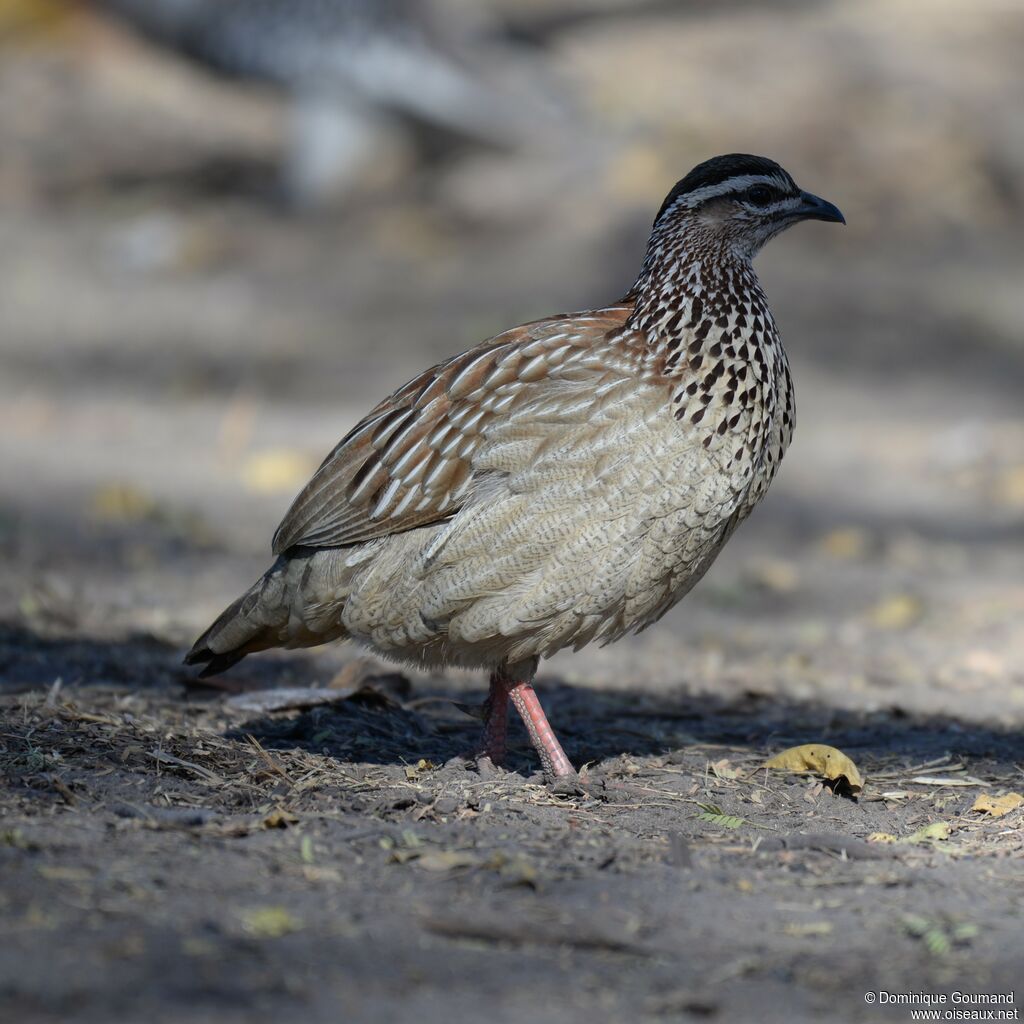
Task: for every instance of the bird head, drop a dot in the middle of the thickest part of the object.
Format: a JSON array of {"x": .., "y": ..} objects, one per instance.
[{"x": 739, "y": 202}]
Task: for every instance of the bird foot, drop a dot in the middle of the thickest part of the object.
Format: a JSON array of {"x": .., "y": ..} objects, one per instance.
[
  {"x": 481, "y": 760},
  {"x": 566, "y": 785},
  {"x": 487, "y": 768},
  {"x": 506, "y": 689}
]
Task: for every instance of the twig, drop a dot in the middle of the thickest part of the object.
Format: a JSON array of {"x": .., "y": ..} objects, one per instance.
[
  {"x": 267, "y": 759},
  {"x": 162, "y": 758}
]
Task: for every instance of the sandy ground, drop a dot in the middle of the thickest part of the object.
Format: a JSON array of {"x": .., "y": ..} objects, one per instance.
[{"x": 178, "y": 352}]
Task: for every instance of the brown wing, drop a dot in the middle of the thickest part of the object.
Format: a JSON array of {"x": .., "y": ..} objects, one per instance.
[{"x": 409, "y": 463}]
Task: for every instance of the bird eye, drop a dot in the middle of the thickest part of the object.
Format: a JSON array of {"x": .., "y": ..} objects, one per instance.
[{"x": 759, "y": 195}]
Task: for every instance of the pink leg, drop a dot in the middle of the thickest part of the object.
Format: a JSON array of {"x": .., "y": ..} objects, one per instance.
[
  {"x": 496, "y": 720},
  {"x": 552, "y": 756}
]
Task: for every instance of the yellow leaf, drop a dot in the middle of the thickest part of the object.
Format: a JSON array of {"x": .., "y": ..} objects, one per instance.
[
  {"x": 276, "y": 470},
  {"x": 279, "y": 818},
  {"x": 937, "y": 830},
  {"x": 413, "y": 771},
  {"x": 33, "y": 17},
  {"x": 121, "y": 503},
  {"x": 898, "y": 611},
  {"x": 638, "y": 173},
  {"x": 516, "y": 870},
  {"x": 802, "y": 929},
  {"x": 269, "y": 922},
  {"x": 63, "y": 873},
  {"x": 847, "y": 543},
  {"x": 823, "y": 760},
  {"x": 1009, "y": 487},
  {"x": 312, "y": 873},
  {"x": 447, "y": 860},
  {"x": 997, "y": 806},
  {"x": 776, "y": 575}
]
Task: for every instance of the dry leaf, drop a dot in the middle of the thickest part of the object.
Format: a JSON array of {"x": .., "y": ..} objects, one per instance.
[
  {"x": 804, "y": 929},
  {"x": 928, "y": 780},
  {"x": 276, "y": 470},
  {"x": 124, "y": 503},
  {"x": 121, "y": 503},
  {"x": 937, "y": 830},
  {"x": 362, "y": 673},
  {"x": 279, "y": 818},
  {"x": 287, "y": 698},
  {"x": 284, "y": 698},
  {"x": 269, "y": 922},
  {"x": 997, "y": 806},
  {"x": 413, "y": 771},
  {"x": 898, "y": 611},
  {"x": 637, "y": 173},
  {"x": 826, "y": 761},
  {"x": 986, "y": 663},
  {"x": 1009, "y": 487},
  {"x": 775, "y": 575},
  {"x": 315, "y": 873},
  {"x": 723, "y": 770},
  {"x": 33, "y": 18},
  {"x": 64, "y": 873},
  {"x": 846, "y": 543},
  {"x": 516, "y": 870},
  {"x": 447, "y": 860}
]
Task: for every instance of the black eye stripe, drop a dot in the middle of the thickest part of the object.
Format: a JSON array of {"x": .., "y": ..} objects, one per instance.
[{"x": 760, "y": 195}]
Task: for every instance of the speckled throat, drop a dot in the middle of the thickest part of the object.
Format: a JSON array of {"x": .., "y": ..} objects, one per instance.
[{"x": 704, "y": 323}]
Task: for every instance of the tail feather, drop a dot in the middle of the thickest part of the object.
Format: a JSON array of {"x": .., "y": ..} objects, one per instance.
[
  {"x": 252, "y": 623},
  {"x": 286, "y": 608},
  {"x": 213, "y": 664}
]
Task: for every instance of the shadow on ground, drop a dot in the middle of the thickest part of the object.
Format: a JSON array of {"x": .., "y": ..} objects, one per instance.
[
  {"x": 397, "y": 724},
  {"x": 248, "y": 865}
]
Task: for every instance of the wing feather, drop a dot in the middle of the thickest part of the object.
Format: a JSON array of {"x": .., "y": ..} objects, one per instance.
[{"x": 409, "y": 463}]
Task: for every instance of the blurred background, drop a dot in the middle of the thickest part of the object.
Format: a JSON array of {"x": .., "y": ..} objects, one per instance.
[{"x": 226, "y": 232}]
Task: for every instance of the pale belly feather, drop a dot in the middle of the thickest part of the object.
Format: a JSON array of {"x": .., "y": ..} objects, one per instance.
[{"x": 575, "y": 536}]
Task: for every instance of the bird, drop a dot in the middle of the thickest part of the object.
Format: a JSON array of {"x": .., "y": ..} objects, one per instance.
[
  {"x": 564, "y": 482},
  {"x": 351, "y": 66}
]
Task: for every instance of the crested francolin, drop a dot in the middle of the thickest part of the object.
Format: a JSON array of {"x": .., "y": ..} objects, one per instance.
[{"x": 567, "y": 481}]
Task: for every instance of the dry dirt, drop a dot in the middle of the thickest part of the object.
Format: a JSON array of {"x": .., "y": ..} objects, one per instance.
[{"x": 178, "y": 351}]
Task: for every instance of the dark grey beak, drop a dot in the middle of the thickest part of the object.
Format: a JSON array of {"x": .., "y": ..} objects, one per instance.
[{"x": 813, "y": 208}]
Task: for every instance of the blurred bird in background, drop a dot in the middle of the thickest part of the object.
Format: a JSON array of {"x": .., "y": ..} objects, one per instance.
[{"x": 357, "y": 71}]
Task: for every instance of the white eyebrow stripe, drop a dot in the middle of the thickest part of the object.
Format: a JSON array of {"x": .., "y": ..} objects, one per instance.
[{"x": 737, "y": 184}]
